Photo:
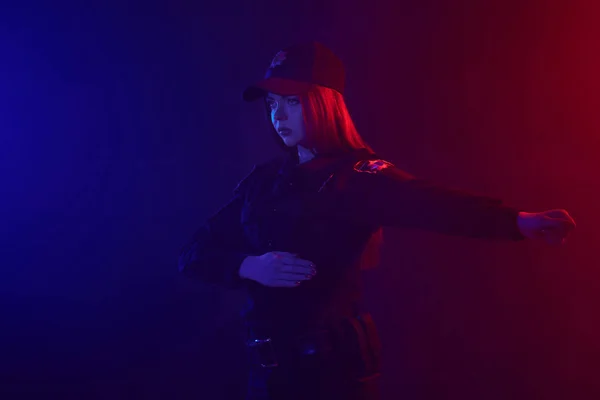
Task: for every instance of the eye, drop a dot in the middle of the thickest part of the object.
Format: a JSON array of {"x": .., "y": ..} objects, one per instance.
[
  {"x": 271, "y": 103},
  {"x": 293, "y": 101}
]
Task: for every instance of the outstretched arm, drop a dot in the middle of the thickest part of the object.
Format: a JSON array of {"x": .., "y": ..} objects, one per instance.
[{"x": 378, "y": 193}]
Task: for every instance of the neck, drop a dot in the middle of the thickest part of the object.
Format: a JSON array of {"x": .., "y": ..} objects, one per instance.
[{"x": 305, "y": 154}]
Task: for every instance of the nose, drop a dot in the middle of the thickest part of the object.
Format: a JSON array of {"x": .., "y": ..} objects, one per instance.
[{"x": 280, "y": 114}]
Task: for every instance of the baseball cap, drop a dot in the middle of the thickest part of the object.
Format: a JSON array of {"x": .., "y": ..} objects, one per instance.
[{"x": 295, "y": 69}]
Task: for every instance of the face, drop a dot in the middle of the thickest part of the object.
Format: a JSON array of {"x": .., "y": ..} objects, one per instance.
[{"x": 287, "y": 118}]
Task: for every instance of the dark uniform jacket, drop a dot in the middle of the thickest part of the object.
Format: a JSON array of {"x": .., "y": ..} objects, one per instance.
[{"x": 326, "y": 210}]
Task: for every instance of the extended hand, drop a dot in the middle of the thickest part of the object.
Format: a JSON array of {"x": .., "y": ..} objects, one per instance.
[
  {"x": 277, "y": 269},
  {"x": 551, "y": 226}
]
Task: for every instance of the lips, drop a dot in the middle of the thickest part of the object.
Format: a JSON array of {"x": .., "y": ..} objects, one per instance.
[{"x": 284, "y": 131}]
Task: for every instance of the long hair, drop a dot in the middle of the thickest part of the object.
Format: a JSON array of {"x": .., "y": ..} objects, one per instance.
[
  {"x": 329, "y": 126},
  {"x": 330, "y": 129}
]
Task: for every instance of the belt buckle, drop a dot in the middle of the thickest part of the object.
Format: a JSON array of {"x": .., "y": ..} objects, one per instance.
[{"x": 265, "y": 351}]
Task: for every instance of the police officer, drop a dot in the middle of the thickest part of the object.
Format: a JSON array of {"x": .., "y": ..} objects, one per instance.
[{"x": 299, "y": 229}]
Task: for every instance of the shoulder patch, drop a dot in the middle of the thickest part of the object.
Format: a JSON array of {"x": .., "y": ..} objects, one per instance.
[{"x": 372, "y": 166}]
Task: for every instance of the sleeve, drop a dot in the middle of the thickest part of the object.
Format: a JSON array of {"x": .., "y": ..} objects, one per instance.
[
  {"x": 216, "y": 251},
  {"x": 378, "y": 193}
]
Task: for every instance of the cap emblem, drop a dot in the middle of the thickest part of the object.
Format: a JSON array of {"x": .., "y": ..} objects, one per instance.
[{"x": 278, "y": 59}]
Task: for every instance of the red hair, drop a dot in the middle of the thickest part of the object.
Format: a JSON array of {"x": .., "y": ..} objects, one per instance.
[{"x": 329, "y": 126}]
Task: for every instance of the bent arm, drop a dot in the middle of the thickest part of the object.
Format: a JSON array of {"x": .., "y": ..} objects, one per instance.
[{"x": 217, "y": 249}]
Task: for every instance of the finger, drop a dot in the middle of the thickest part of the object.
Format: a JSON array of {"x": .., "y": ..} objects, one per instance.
[
  {"x": 284, "y": 254},
  {"x": 294, "y": 277},
  {"x": 289, "y": 257},
  {"x": 298, "y": 269},
  {"x": 285, "y": 283},
  {"x": 559, "y": 231},
  {"x": 298, "y": 261},
  {"x": 555, "y": 237},
  {"x": 566, "y": 217},
  {"x": 559, "y": 216},
  {"x": 550, "y": 223},
  {"x": 566, "y": 223},
  {"x": 571, "y": 223}
]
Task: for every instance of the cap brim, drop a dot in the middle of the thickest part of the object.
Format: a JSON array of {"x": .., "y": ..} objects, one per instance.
[{"x": 280, "y": 86}]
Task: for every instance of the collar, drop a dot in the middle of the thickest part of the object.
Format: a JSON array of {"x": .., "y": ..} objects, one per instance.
[{"x": 323, "y": 161}]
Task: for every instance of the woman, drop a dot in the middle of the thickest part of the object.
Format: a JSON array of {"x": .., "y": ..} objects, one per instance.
[{"x": 299, "y": 230}]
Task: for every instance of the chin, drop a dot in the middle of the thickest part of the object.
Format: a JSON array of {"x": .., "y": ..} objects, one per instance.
[{"x": 290, "y": 141}]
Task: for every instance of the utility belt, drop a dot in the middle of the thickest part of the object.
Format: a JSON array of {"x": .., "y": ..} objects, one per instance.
[{"x": 352, "y": 343}]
